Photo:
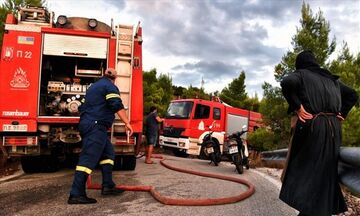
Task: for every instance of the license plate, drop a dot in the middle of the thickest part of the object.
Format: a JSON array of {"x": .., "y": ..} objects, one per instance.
[
  {"x": 210, "y": 150},
  {"x": 171, "y": 140},
  {"x": 8, "y": 127},
  {"x": 233, "y": 149}
]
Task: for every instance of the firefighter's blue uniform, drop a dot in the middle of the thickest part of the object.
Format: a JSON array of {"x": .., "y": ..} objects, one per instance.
[{"x": 102, "y": 101}]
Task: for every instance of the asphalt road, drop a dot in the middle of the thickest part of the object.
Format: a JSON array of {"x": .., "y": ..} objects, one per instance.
[{"x": 47, "y": 193}]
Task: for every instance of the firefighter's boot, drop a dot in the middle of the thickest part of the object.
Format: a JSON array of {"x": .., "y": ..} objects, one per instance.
[
  {"x": 108, "y": 186},
  {"x": 81, "y": 200},
  {"x": 78, "y": 193}
]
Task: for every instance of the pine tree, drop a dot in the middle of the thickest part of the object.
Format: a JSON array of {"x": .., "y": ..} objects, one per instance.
[
  {"x": 158, "y": 91},
  {"x": 347, "y": 67},
  {"x": 313, "y": 34},
  {"x": 235, "y": 93}
]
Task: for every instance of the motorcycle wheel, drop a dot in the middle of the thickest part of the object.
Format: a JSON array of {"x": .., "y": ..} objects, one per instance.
[
  {"x": 246, "y": 162},
  {"x": 213, "y": 155},
  {"x": 237, "y": 159},
  {"x": 203, "y": 155},
  {"x": 217, "y": 154},
  {"x": 213, "y": 159}
]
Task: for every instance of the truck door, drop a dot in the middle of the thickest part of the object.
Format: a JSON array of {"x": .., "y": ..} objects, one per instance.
[
  {"x": 201, "y": 119},
  {"x": 218, "y": 119}
]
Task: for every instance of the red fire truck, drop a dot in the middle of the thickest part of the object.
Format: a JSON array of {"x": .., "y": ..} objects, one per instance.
[
  {"x": 45, "y": 70},
  {"x": 188, "y": 121}
]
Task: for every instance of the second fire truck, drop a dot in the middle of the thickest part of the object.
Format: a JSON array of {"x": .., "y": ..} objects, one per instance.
[{"x": 188, "y": 121}]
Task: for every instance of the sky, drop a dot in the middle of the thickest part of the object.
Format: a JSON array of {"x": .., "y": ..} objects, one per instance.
[{"x": 215, "y": 40}]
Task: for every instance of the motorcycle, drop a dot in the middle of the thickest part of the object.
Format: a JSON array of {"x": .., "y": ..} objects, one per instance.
[
  {"x": 237, "y": 150},
  {"x": 210, "y": 149}
]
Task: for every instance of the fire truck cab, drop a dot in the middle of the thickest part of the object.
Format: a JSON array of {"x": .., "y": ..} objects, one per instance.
[
  {"x": 188, "y": 121},
  {"x": 46, "y": 68}
]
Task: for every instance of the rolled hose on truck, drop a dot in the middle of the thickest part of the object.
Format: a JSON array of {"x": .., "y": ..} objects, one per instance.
[{"x": 187, "y": 202}]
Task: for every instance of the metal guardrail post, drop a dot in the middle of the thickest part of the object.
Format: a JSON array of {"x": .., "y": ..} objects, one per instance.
[
  {"x": 349, "y": 165},
  {"x": 349, "y": 168}
]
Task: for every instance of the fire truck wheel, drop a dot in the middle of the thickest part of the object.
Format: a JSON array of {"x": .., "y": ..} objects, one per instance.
[
  {"x": 71, "y": 161},
  {"x": 125, "y": 162},
  {"x": 44, "y": 163},
  {"x": 129, "y": 162},
  {"x": 118, "y": 162},
  {"x": 30, "y": 164},
  {"x": 179, "y": 153},
  {"x": 49, "y": 163}
]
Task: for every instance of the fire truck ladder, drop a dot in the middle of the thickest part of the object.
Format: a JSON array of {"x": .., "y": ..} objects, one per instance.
[{"x": 124, "y": 65}]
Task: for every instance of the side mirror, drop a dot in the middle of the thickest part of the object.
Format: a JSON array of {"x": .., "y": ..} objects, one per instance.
[{"x": 244, "y": 128}]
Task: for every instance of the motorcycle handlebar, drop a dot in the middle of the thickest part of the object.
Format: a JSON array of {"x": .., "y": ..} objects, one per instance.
[{"x": 238, "y": 133}]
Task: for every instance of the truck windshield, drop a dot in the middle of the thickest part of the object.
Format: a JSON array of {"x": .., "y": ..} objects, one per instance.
[{"x": 179, "y": 110}]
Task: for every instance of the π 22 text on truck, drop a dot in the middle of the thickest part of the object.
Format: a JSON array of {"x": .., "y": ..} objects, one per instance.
[
  {"x": 45, "y": 69},
  {"x": 187, "y": 124}
]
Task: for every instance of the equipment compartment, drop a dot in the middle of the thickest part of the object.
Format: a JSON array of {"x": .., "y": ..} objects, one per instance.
[{"x": 64, "y": 81}]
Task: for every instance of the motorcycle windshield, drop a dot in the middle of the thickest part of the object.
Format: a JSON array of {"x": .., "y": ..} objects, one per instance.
[{"x": 179, "y": 110}]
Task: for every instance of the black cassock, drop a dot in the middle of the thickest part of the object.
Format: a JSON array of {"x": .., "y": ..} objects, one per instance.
[{"x": 310, "y": 183}]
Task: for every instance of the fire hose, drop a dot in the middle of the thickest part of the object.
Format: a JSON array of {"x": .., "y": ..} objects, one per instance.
[{"x": 186, "y": 202}]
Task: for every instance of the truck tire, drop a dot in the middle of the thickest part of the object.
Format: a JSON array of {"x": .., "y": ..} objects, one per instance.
[
  {"x": 49, "y": 163},
  {"x": 129, "y": 162},
  {"x": 125, "y": 162},
  {"x": 179, "y": 153},
  {"x": 43, "y": 163},
  {"x": 71, "y": 161},
  {"x": 30, "y": 164},
  {"x": 118, "y": 162}
]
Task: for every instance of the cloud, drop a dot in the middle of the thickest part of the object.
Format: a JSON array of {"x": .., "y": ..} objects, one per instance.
[
  {"x": 344, "y": 21},
  {"x": 216, "y": 39},
  {"x": 215, "y": 68},
  {"x": 247, "y": 10}
]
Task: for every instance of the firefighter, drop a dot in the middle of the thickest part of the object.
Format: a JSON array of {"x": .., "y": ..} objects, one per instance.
[{"x": 102, "y": 100}]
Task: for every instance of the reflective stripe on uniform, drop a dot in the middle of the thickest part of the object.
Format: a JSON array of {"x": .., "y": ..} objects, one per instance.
[
  {"x": 83, "y": 169},
  {"x": 112, "y": 95},
  {"x": 107, "y": 161}
]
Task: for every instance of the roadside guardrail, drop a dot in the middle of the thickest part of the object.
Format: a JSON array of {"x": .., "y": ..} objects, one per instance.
[{"x": 349, "y": 165}]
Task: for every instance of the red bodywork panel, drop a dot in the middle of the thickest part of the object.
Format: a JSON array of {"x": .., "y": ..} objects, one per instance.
[
  {"x": 137, "y": 104},
  {"x": 19, "y": 75}
]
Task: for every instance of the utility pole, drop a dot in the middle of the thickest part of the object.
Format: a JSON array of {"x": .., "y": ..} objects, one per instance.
[{"x": 202, "y": 83}]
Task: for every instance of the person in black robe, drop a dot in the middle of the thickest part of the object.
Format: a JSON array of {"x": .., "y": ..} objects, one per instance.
[{"x": 321, "y": 102}]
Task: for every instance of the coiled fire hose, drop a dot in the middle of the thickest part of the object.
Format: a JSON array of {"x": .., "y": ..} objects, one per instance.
[{"x": 187, "y": 202}]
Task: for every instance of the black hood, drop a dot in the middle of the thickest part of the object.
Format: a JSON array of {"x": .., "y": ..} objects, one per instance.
[{"x": 305, "y": 59}]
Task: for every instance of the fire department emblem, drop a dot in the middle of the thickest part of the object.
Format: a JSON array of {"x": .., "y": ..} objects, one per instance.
[
  {"x": 19, "y": 80},
  {"x": 8, "y": 54}
]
